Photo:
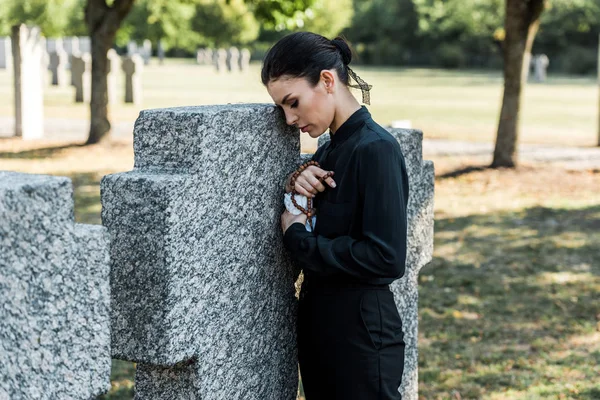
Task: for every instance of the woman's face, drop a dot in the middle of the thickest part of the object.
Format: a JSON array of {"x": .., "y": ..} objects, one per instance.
[{"x": 311, "y": 109}]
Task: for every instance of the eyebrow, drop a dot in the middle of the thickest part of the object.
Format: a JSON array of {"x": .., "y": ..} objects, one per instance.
[{"x": 285, "y": 98}]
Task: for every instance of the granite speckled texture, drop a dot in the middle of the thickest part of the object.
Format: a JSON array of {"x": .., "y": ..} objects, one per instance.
[
  {"x": 419, "y": 250},
  {"x": 202, "y": 288},
  {"x": 55, "y": 330}
]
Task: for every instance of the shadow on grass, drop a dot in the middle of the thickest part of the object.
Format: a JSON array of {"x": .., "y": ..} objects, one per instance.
[
  {"x": 512, "y": 304},
  {"x": 39, "y": 153}
]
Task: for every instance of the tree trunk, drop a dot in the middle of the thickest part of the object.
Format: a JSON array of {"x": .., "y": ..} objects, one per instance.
[
  {"x": 521, "y": 24},
  {"x": 103, "y": 21}
]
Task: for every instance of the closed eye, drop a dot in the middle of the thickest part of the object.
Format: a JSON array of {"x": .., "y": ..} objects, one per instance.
[{"x": 294, "y": 104}]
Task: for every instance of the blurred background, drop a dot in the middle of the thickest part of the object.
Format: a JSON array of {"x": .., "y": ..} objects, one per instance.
[{"x": 509, "y": 305}]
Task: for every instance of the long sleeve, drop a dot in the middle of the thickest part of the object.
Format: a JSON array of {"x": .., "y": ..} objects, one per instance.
[{"x": 380, "y": 251}]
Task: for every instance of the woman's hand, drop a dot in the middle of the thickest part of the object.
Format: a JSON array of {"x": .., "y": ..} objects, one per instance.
[
  {"x": 308, "y": 184},
  {"x": 287, "y": 219}
]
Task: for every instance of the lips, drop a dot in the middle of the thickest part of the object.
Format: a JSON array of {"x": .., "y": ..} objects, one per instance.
[{"x": 304, "y": 128}]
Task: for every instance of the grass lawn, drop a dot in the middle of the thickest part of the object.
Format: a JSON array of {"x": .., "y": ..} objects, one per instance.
[
  {"x": 509, "y": 305},
  {"x": 444, "y": 104}
]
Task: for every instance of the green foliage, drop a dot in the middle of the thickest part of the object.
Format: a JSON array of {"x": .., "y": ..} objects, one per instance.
[
  {"x": 224, "y": 22},
  {"x": 328, "y": 17},
  {"x": 52, "y": 16}
]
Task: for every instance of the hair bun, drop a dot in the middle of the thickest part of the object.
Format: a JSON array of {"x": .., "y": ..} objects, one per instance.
[{"x": 344, "y": 49}]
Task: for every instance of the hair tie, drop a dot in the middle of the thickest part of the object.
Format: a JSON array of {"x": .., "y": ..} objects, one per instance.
[{"x": 364, "y": 87}]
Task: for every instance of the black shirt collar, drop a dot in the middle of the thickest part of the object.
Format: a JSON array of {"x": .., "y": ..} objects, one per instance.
[{"x": 351, "y": 125}]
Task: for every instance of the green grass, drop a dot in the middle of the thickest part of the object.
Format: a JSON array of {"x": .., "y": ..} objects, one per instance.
[{"x": 444, "y": 104}]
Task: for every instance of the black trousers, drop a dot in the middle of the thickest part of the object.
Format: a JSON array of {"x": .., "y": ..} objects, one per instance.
[{"x": 350, "y": 343}]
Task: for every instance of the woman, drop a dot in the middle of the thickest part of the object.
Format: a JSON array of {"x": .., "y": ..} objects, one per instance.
[{"x": 350, "y": 340}]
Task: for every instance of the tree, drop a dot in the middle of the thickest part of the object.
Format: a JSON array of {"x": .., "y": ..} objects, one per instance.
[
  {"x": 521, "y": 23},
  {"x": 103, "y": 21}
]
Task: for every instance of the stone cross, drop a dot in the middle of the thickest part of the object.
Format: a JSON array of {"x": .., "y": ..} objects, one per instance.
[
  {"x": 54, "y": 286},
  {"x": 58, "y": 67},
  {"x": 233, "y": 55},
  {"x": 27, "y": 53},
  {"x": 220, "y": 59},
  {"x": 244, "y": 60},
  {"x": 81, "y": 70},
  {"x": 202, "y": 288},
  {"x": 147, "y": 51},
  {"x": 419, "y": 248},
  {"x": 133, "y": 67},
  {"x": 6, "y": 60},
  {"x": 540, "y": 65},
  {"x": 114, "y": 69}
]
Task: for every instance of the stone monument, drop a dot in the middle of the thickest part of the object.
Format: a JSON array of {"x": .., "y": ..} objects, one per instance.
[
  {"x": 220, "y": 59},
  {"x": 58, "y": 67},
  {"x": 6, "y": 60},
  {"x": 133, "y": 67},
  {"x": 54, "y": 286},
  {"x": 540, "y": 65},
  {"x": 244, "y": 60},
  {"x": 233, "y": 56},
  {"x": 202, "y": 289},
  {"x": 28, "y": 50},
  {"x": 81, "y": 70}
]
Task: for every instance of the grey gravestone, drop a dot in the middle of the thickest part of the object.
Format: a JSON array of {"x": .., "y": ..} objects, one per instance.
[
  {"x": 6, "y": 59},
  {"x": 147, "y": 51},
  {"x": 132, "y": 48},
  {"x": 244, "y": 60},
  {"x": 540, "y": 65},
  {"x": 114, "y": 69},
  {"x": 200, "y": 56},
  {"x": 220, "y": 59},
  {"x": 133, "y": 68},
  {"x": 202, "y": 288},
  {"x": 54, "y": 286},
  {"x": 160, "y": 52},
  {"x": 81, "y": 70},
  {"x": 28, "y": 50},
  {"x": 58, "y": 67},
  {"x": 419, "y": 251},
  {"x": 233, "y": 55}
]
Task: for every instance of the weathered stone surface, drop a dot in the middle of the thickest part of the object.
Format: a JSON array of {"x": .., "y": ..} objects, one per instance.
[
  {"x": 55, "y": 332},
  {"x": 419, "y": 249},
  {"x": 202, "y": 288},
  {"x": 28, "y": 49}
]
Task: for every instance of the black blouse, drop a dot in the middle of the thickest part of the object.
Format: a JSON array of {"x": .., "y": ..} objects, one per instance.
[{"x": 360, "y": 234}]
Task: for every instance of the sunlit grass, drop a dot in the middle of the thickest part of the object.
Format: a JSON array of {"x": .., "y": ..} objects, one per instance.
[{"x": 444, "y": 104}]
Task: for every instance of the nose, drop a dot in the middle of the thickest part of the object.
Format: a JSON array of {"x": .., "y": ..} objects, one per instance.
[{"x": 290, "y": 118}]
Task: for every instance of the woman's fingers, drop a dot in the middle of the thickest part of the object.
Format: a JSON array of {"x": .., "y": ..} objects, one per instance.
[{"x": 310, "y": 181}]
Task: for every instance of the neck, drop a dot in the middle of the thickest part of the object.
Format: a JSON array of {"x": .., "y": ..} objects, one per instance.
[{"x": 348, "y": 105}]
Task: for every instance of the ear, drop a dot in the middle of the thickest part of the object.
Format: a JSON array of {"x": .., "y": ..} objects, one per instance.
[{"x": 328, "y": 80}]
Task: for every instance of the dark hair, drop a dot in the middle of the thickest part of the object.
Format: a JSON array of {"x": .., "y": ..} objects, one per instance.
[{"x": 306, "y": 54}]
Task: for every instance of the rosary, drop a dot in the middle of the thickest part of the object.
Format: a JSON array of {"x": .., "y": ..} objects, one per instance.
[{"x": 309, "y": 211}]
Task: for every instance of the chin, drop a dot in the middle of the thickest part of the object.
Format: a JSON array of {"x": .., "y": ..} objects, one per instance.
[{"x": 315, "y": 133}]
